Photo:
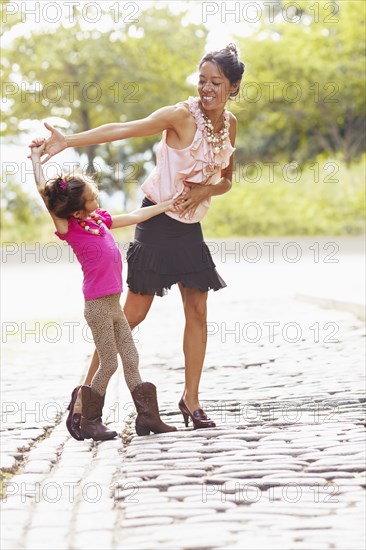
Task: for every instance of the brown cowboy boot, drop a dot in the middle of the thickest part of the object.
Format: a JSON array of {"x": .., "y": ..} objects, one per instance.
[
  {"x": 148, "y": 417},
  {"x": 91, "y": 425}
]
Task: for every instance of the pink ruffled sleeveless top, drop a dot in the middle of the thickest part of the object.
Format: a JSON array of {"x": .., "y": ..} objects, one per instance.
[{"x": 197, "y": 163}]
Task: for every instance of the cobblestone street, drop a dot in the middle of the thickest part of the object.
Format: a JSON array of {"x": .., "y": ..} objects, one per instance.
[{"x": 284, "y": 469}]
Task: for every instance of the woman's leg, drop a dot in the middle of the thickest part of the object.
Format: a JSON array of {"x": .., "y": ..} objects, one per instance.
[
  {"x": 93, "y": 367},
  {"x": 136, "y": 308},
  {"x": 194, "y": 342}
]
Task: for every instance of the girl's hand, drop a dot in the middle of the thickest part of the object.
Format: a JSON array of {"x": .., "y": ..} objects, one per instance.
[
  {"x": 168, "y": 204},
  {"x": 37, "y": 147},
  {"x": 54, "y": 144},
  {"x": 191, "y": 197}
]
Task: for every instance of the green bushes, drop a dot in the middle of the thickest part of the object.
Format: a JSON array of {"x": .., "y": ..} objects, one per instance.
[
  {"x": 23, "y": 218},
  {"x": 327, "y": 199}
]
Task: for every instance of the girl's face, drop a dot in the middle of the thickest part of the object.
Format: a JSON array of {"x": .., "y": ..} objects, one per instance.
[
  {"x": 91, "y": 198},
  {"x": 213, "y": 87},
  {"x": 91, "y": 201}
]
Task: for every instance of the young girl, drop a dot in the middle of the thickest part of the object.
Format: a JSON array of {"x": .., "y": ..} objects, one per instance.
[{"x": 73, "y": 205}]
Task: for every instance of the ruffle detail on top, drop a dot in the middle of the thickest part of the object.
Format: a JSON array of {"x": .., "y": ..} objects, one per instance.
[
  {"x": 154, "y": 269},
  {"x": 196, "y": 163},
  {"x": 208, "y": 163}
]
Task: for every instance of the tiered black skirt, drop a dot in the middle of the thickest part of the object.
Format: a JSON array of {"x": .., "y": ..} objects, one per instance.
[{"x": 166, "y": 251}]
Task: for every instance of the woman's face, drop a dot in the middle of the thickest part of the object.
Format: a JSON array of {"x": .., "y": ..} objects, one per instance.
[{"x": 213, "y": 87}]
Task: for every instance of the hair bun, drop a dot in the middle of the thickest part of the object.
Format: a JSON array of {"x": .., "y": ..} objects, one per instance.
[
  {"x": 232, "y": 48},
  {"x": 228, "y": 62}
]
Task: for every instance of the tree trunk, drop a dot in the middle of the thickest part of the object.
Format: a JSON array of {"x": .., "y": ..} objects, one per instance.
[
  {"x": 91, "y": 149},
  {"x": 90, "y": 169}
]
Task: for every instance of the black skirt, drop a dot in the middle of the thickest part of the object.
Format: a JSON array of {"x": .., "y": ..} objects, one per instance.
[{"x": 166, "y": 251}]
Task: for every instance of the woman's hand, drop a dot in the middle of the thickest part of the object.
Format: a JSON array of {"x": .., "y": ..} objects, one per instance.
[
  {"x": 191, "y": 197},
  {"x": 54, "y": 144}
]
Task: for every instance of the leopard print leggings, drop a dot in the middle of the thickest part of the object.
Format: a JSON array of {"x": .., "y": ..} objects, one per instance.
[{"x": 112, "y": 335}]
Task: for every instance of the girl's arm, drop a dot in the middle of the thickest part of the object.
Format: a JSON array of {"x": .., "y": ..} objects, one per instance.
[
  {"x": 36, "y": 152},
  {"x": 141, "y": 214},
  {"x": 165, "y": 118}
]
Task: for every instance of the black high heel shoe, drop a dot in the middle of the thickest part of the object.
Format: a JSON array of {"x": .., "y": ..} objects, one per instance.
[{"x": 198, "y": 417}]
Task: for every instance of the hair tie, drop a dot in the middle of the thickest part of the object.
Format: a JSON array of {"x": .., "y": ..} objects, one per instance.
[{"x": 63, "y": 184}]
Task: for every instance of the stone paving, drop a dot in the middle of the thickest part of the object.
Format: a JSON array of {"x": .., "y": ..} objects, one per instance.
[{"x": 284, "y": 469}]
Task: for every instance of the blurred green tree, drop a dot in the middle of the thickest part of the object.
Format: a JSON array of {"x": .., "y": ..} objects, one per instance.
[
  {"x": 91, "y": 77},
  {"x": 304, "y": 87},
  {"x": 21, "y": 216},
  {"x": 10, "y": 15}
]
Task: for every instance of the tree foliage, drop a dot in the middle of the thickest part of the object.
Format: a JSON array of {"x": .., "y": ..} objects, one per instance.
[
  {"x": 302, "y": 98},
  {"x": 304, "y": 86},
  {"x": 333, "y": 204},
  {"x": 92, "y": 77}
]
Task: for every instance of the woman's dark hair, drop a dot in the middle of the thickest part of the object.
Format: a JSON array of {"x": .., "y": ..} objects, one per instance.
[
  {"x": 228, "y": 63},
  {"x": 64, "y": 195}
]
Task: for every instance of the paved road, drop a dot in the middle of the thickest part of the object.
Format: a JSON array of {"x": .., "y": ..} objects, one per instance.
[{"x": 284, "y": 468}]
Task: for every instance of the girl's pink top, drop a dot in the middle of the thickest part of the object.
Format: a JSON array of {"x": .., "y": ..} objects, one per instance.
[
  {"x": 196, "y": 163},
  {"x": 99, "y": 256}
]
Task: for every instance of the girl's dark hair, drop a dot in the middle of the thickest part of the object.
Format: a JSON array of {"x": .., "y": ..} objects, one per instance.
[
  {"x": 64, "y": 195},
  {"x": 228, "y": 62}
]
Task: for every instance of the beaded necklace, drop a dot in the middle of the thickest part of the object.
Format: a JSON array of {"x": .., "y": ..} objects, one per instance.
[
  {"x": 96, "y": 219},
  {"x": 217, "y": 139}
]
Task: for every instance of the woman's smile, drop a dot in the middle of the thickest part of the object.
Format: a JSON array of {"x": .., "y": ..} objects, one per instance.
[{"x": 207, "y": 99}]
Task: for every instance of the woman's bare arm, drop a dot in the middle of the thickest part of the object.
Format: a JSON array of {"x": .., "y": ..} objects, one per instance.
[{"x": 165, "y": 118}]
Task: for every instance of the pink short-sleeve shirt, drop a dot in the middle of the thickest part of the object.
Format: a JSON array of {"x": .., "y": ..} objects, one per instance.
[{"x": 99, "y": 256}]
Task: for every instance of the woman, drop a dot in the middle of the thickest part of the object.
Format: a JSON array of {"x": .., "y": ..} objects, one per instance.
[{"x": 194, "y": 163}]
